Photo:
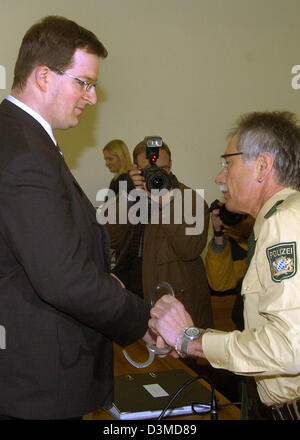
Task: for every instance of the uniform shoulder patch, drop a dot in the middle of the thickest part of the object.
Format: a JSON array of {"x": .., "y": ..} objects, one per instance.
[{"x": 282, "y": 259}]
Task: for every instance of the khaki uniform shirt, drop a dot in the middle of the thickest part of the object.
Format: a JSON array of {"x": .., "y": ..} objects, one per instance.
[{"x": 269, "y": 347}]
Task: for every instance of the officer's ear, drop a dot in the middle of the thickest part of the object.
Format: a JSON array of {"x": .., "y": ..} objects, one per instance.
[{"x": 265, "y": 163}]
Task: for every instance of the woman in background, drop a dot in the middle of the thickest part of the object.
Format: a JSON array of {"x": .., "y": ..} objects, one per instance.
[{"x": 118, "y": 161}]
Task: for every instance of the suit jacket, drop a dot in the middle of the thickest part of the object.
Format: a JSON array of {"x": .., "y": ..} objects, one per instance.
[{"x": 59, "y": 306}]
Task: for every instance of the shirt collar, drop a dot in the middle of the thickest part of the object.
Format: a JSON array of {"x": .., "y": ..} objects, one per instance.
[
  {"x": 280, "y": 195},
  {"x": 34, "y": 114}
]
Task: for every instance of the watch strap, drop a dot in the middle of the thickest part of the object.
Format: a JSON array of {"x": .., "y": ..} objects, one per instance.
[
  {"x": 184, "y": 345},
  {"x": 186, "y": 341}
]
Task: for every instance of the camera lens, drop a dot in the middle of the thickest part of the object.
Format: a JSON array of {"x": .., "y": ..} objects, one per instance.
[
  {"x": 156, "y": 182},
  {"x": 156, "y": 179}
]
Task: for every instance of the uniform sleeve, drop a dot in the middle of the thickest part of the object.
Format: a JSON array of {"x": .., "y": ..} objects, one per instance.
[
  {"x": 222, "y": 272},
  {"x": 270, "y": 344}
]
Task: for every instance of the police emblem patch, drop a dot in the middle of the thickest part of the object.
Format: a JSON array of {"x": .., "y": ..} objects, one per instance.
[{"x": 282, "y": 260}]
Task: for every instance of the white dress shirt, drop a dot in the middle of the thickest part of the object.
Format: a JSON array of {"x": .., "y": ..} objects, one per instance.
[{"x": 34, "y": 114}]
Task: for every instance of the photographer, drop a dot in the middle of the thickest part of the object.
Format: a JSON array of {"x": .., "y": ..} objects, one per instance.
[
  {"x": 150, "y": 253},
  {"x": 226, "y": 258}
]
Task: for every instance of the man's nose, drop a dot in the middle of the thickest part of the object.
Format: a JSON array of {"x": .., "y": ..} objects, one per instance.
[
  {"x": 91, "y": 96},
  {"x": 221, "y": 177}
]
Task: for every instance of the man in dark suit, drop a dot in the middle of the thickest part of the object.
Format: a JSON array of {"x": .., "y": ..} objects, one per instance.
[{"x": 60, "y": 307}]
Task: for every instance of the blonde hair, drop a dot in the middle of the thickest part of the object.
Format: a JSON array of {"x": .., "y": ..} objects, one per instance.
[{"x": 118, "y": 148}]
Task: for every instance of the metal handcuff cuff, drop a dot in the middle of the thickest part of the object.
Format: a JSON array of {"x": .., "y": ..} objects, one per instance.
[{"x": 152, "y": 349}]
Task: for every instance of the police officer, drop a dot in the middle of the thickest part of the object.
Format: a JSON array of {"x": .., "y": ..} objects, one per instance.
[{"x": 261, "y": 169}]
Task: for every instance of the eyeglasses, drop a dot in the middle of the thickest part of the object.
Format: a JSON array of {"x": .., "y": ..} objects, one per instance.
[
  {"x": 86, "y": 85},
  {"x": 223, "y": 159}
]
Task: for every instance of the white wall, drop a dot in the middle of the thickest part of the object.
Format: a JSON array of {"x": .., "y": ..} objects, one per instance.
[{"x": 182, "y": 69}]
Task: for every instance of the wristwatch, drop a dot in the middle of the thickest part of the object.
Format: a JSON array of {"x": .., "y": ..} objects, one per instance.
[{"x": 189, "y": 334}]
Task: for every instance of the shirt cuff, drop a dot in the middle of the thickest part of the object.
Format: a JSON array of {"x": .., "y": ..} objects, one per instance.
[{"x": 213, "y": 346}]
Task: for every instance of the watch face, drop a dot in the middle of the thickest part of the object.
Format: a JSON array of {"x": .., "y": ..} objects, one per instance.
[{"x": 192, "y": 331}]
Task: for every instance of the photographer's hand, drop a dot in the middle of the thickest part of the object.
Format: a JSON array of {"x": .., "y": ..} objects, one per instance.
[
  {"x": 139, "y": 182},
  {"x": 218, "y": 227},
  {"x": 137, "y": 178}
]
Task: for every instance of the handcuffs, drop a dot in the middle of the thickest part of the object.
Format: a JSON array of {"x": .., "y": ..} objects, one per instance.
[{"x": 152, "y": 349}]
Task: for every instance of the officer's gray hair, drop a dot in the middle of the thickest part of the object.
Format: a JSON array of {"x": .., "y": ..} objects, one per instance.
[{"x": 277, "y": 133}]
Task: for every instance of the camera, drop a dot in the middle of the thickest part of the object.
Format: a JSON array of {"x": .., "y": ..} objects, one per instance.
[
  {"x": 155, "y": 177},
  {"x": 228, "y": 218}
]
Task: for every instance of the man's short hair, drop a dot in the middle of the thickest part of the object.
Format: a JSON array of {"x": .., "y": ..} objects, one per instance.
[
  {"x": 277, "y": 133},
  {"x": 52, "y": 42},
  {"x": 141, "y": 148}
]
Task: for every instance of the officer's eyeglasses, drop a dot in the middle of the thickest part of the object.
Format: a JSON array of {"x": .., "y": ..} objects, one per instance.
[{"x": 223, "y": 159}]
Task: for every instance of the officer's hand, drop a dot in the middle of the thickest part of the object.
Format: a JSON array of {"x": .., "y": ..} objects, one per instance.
[{"x": 169, "y": 318}]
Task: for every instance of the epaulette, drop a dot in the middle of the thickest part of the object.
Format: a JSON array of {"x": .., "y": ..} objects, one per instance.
[{"x": 273, "y": 209}]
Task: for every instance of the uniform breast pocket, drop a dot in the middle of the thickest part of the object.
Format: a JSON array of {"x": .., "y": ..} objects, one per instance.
[
  {"x": 251, "y": 293},
  {"x": 251, "y": 284}
]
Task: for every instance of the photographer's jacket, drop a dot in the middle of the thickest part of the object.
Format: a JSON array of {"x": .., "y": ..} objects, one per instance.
[
  {"x": 269, "y": 347},
  {"x": 171, "y": 255}
]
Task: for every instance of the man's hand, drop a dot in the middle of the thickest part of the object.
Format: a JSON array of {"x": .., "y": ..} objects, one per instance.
[
  {"x": 150, "y": 337},
  {"x": 137, "y": 178},
  {"x": 169, "y": 318},
  {"x": 218, "y": 225},
  {"x": 139, "y": 182}
]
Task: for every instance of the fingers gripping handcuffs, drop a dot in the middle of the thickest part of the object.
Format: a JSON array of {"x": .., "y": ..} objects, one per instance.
[{"x": 152, "y": 349}]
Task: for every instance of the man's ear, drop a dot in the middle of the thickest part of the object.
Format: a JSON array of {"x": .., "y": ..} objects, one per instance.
[
  {"x": 265, "y": 162},
  {"x": 42, "y": 76}
]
